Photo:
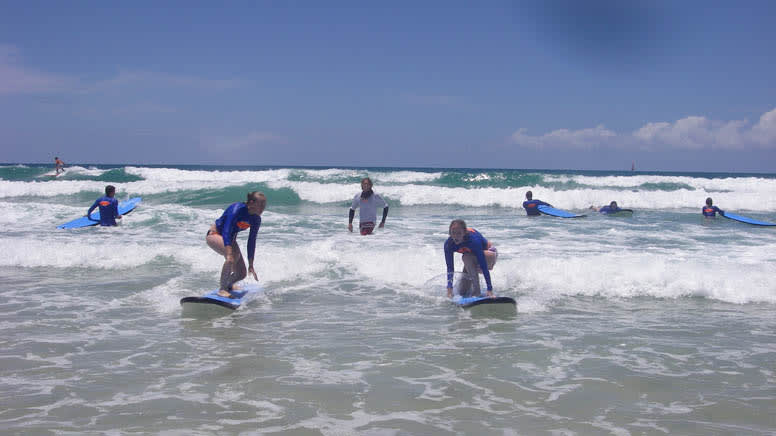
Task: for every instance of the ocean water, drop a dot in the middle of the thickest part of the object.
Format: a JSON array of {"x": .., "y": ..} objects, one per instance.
[{"x": 659, "y": 323}]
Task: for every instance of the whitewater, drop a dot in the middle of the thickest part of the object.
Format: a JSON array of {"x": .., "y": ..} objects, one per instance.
[{"x": 659, "y": 323}]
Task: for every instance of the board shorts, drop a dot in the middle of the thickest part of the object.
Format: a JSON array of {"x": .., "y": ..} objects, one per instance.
[{"x": 366, "y": 228}]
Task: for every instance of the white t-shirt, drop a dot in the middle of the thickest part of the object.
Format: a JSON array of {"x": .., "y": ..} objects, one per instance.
[{"x": 368, "y": 207}]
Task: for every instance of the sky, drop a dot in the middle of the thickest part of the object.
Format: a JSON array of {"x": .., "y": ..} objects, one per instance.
[{"x": 558, "y": 84}]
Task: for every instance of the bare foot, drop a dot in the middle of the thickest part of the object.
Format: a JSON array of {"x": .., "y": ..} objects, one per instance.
[{"x": 223, "y": 293}]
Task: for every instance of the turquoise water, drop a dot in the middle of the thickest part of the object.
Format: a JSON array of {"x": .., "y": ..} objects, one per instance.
[{"x": 660, "y": 323}]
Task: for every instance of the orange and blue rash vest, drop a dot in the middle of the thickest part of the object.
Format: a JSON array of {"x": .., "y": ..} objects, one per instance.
[
  {"x": 109, "y": 210},
  {"x": 235, "y": 219},
  {"x": 711, "y": 211},
  {"x": 474, "y": 243},
  {"x": 532, "y": 207}
]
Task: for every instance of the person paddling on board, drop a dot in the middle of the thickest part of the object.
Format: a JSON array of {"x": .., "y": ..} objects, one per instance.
[
  {"x": 109, "y": 207},
  {"x": 222, "y": 238},
  {"x": 531, "y": 205},
  {"x": 611, "y": 208},
  {"x": 59, "y": 166},
  {"x": 368, "y": 201},
  {"x": 479, "y": 256},
  {"x": 710, "y": 211}
]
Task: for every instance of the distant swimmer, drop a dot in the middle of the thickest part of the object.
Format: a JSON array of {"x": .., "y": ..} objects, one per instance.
[
  {"x": 59, "y": 166},
  {"x": 611, "y": 208},
  {"x": 711, "y": 211},
  {"x": 222, "y": 238},
  {"x": 531, "y": 206},
  {"x": 109, "y": 207},
  {"x": 368, "y": 201},
  {"x": 479, "y": 256}
]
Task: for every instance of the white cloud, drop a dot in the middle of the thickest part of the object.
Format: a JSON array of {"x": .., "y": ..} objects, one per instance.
[
  {"x": 690, "y": 133},
  {"x": 695, "y": 133},
  {"x": 16, "y": 78},
  {"x": 147, "y": 79},
  {"x": 764, "y": 132},
  {"x": 564, "y": 138}
]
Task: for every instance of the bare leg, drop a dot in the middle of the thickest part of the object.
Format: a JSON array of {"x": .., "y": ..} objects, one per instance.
[
  {"x": 230, "y": 272},
  {"x": 470, "y": 269},
  {"x": 464, "y": 285}
]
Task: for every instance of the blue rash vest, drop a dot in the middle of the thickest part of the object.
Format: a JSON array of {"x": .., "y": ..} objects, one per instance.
[
  {"x": 531, "y": 207},
  {"x": 235, "y": 219},
  {"x": 609, "y": 209},
  {"x": 474, "y": 243},
  {"x": 711, "y": 211},
  {"x": 109, "y": 210}
]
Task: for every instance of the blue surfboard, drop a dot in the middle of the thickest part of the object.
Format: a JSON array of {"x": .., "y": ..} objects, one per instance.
[
  {"x": 468, "y": 302},
  {"x": 125, "y": 207},
  {"x": 747, "y": 220},
  {"x": 214, "y": 303},
  {"x": 547, "y": 210}
]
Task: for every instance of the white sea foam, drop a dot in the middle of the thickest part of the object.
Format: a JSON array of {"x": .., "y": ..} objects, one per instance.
[{"x": 736, "y": 194}]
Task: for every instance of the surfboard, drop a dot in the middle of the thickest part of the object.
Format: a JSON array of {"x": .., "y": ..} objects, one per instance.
[
  {"x": 547, "y": 210},
  {"x": 212, "y": 303},
  {"x": 468, "y": 302},
  {"x": 53, "y": 174},
  {"x": 747, "y": 220},
  {"x": 125, "y": 207},
  {"x": 621, "y": 212}
]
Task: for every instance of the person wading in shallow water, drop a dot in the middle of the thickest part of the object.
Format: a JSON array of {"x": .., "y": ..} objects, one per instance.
[{"x": 368, "y": 201}]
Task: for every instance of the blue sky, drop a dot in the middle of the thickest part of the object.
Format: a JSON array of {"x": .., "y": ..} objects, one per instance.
[{"x": 566, "y": 84}]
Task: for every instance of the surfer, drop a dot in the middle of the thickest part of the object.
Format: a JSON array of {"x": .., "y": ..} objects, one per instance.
[
  {"x": 531, "y": 205},
  {"x": 611, "y": 208},
  {"x": 479, "y": 256},
  {"x": 222, "y": 238},
  {"x": 711, "y": 211},
  {"x": 368, "y": 201},
  {"x": 109, "y": 207},
  {"x": 59, "y": 166}
]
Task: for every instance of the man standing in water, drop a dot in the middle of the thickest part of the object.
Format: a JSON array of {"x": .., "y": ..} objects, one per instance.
[
  {"x": 531, "y": 206},
  {"x": 710, "y": 211},
  {"x": 109, "y": 207},
  {"x": 368, "y": 201}
]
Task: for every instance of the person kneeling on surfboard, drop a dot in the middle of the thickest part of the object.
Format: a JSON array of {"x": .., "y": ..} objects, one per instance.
[
  {"x": 222, "y": 238},
  {"x": 532, "y": 206},
  {"x": 711, "y": 211},
  {"x": 479, "y": 256},
  {"x": 368, "y": 201},
  {"x": 109, "y": 207}
]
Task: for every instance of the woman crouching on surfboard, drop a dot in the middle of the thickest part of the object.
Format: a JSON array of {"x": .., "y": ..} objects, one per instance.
[
  {"x": 479, "y": 256},
  {"x": 222, "y": 237}
]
